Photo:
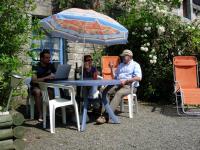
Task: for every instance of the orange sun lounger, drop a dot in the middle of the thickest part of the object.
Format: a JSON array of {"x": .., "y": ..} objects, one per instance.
[{"x": 186, "y": 83}]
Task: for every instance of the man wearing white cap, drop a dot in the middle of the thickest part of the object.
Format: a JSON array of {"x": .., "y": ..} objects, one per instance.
[{"x": 127, "y": 72}]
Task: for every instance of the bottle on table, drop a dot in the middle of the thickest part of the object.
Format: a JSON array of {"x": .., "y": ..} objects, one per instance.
[{"x": 77, "y": 72}]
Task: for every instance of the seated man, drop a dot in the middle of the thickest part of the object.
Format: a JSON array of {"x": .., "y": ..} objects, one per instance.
[
  {"x": 127, "y": 72},
  {"x": 44, "y": 70}
]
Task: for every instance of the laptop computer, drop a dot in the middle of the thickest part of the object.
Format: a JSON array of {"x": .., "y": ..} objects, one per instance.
[{"x": 62, "y": 72}]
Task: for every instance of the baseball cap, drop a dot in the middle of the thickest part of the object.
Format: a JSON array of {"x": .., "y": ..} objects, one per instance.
[{"x": 127, "y": 52}]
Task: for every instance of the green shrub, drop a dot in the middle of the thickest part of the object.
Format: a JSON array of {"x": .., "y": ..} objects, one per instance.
[
  {"x": 155, "y": 37},
  {"x": 15, "y": 31}
]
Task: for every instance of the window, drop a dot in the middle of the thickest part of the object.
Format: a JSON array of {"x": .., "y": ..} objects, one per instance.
[
  {"x": 196, "y": 6},
  {"x": 196, "y": 2},
  {"x": 185, "y": 9},
  {"x": 54, "y": 44}
]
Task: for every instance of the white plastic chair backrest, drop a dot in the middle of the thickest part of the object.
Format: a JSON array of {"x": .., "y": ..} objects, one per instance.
[
  {"x": 27, "y": 81},
  {"x": 64, "y": 87},
  {"x": 99, "y": 77},
  {"x": 44, "y": 88},
  {"x": 133, "y": 85}
]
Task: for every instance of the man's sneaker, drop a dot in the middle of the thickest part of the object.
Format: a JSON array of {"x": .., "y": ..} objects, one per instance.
[{"x": 101, "y": 120}]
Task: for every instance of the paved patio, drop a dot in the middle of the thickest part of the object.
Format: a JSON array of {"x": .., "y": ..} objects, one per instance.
[{"x": 155, "y": 127}]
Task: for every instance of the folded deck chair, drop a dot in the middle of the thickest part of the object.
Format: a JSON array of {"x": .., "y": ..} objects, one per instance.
[
  {"x": 105, "y": 60},
  {"x": 186, "y": 84}
]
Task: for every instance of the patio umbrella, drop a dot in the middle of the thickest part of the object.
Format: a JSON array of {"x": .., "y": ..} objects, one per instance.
[{"x": 85, "y": 26}]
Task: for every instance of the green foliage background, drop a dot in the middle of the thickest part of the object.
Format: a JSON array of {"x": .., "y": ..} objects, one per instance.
[{"x": 14, "y": 35}]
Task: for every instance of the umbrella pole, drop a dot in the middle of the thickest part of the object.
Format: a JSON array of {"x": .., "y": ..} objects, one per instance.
[
  {"x": 82, "y": 66},
  {"x": 83, "y": 54},
  {"x": 83, "y": 61},
  {"x": 81, "y": 90},
  {"x": 94, "y": 52}
]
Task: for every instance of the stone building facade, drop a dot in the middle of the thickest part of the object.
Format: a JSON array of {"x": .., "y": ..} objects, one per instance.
[
  {"x": 74, "y": 54},
  {"x": 189, "y": 10}
]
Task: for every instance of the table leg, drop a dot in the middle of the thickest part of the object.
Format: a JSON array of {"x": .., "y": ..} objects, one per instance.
[
  {"x": 110, "y": 111},
  {"x": 83, "y": 125}
]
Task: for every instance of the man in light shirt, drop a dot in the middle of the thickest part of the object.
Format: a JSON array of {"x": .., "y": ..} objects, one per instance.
[{"x": 127, "y": 72}]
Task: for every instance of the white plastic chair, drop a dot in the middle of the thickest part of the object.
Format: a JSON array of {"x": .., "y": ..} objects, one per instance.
[
  {"x": 30, "y": 100},
  {"x": 57, "y": 102},
  {"x": 132, "y": 102}
]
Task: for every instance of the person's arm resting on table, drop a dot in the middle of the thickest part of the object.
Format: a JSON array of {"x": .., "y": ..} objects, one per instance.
[
  {"x": 44, "y": 77},
  {"x": 36, "y": 79}
]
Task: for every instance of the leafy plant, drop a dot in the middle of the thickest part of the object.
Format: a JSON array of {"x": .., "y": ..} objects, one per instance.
[
  {"x": 155, "y": 37},
  {"x": 14, "y": 34},
  {"x": 59, "y": 5}
]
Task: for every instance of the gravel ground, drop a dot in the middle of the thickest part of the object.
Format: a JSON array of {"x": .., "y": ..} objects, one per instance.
[{"x": 153, "y": 128}]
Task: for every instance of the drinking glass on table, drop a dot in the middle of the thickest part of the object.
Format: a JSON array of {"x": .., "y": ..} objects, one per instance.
[{"x": 95, "y": 76}]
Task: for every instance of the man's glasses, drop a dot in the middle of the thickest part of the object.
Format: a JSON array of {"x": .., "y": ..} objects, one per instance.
[{"x": 88, "y": 60}]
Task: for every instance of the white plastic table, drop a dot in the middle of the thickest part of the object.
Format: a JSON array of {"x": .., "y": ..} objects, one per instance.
[{"x": 92, "y": 83}]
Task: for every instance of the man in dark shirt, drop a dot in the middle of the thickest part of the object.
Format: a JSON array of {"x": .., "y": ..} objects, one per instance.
[{"x": 44, "y": 70}]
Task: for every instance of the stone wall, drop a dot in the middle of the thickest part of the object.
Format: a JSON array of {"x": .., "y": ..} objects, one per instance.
[
  {"x": 43, "y": 8},
  {"x": 74, "y": 53}
]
